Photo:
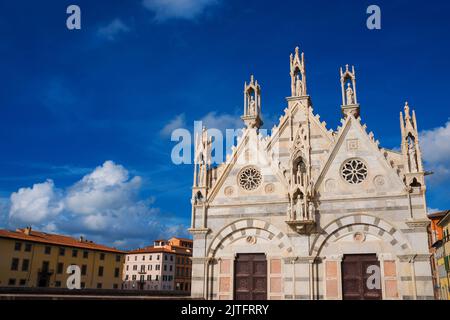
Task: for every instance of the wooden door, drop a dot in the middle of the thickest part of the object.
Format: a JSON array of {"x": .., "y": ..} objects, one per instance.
[
  {"x": 250, "y": 277},
  {"x": 355, "y": 273}
]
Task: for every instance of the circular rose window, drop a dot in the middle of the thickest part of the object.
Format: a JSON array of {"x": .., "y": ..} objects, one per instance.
[
  {"x": 250, "y": 178},
  {"x": 354, "y": 171}
]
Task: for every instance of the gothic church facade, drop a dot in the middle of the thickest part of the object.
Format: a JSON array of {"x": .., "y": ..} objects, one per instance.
[{"x": 308, "y": 212}]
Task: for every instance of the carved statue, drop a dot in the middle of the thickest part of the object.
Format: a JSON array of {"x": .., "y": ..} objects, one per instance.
[
  {"x": 311, "y": 210},
  {"x": 298, "y": 86},
  {"x": 412, "y": 156},
  {"x": 252, "y": 108},
  {"x": 350, "y": 95},
  {"x": 299, "y": 208},
  {"x": 299, "y": 177}
]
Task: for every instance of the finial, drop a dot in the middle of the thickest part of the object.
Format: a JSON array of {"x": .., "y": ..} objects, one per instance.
[{"x": 251, "y": 79}]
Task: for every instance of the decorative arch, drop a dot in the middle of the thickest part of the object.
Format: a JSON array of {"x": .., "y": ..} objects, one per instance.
[
  {"x": 375, "y": 226},
  {"x": 249, "y": 227}
]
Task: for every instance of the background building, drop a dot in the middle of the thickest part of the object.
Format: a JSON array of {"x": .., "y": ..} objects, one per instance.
[
  {"x": 437, "y": 254},
  {"x": 31, "y": 258},
  {"x": 183, "y": 265},
  {"x": 165, "y": 266},
  {"x": 443, "y": 257}
]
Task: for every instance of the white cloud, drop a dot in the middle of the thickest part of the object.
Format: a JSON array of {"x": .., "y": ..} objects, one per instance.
[
  {"x": 176, "y": 123},
  {"x": 180, "y": 9},
  {"x": 113, "y": 29},
  {"x": 107, "y": 188},
  {"x": 435, "y": 148},
  {"x": 36, "y": 204},
  {"x": 104, "y": 205},
  {"x": 222, "y": 121}
]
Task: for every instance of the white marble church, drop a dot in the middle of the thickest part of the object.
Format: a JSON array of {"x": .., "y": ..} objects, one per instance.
[{"x": 308, "y": 212}]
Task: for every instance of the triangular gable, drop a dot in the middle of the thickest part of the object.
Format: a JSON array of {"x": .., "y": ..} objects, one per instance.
[
  {"x": 251, "y": 150},
  {"x": 353, "y": 142}
]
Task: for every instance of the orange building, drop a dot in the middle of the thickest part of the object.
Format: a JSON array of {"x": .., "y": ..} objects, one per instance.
[
  {"x": 183, "y": 265},
  {"x": 436, "y": 245}
]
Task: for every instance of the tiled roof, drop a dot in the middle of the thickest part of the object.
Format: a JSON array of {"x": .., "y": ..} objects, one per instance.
[
  {"x": 54, "y": 239},
  {"x": 151, "y": 249},
  {"x": 438, "y": 214}
]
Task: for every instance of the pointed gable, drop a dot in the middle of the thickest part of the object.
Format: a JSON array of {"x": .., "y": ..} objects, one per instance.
[{"x": 356, "y": 166}]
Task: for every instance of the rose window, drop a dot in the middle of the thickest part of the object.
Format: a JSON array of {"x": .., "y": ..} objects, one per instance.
[
  {"x": 250, "y": 178},
  {"x": 354, "y": 171}
]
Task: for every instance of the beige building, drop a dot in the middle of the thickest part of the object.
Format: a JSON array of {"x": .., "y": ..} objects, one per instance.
[
  {"x": 308, "y": 212},
  {"x": 30, "y": 258}
]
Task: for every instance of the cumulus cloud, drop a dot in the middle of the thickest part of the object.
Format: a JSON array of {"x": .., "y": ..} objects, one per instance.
[
  {"x": 35, "y": 204},
  {"x": 113, "y": 29},
  {"x": 179, "y": 9},
  {"x": 213, "y": 120},
  {"x": 176, "y": 123},
  {"x": 436, "y": 152},
  {"x": 104, "y": 205}
]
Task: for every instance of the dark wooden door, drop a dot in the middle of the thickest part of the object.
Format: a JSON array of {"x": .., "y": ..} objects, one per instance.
[
  {"x": 250, "y": 277},
  {"x": 356, "y": 270}
]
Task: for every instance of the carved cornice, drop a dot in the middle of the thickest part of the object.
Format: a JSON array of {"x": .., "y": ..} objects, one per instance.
[{"x": 199, "y": 230}]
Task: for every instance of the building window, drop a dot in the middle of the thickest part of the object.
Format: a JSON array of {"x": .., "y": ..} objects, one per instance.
[
  {"x": 27, "y": 247},
  {"x": 60, "y": 267},
  {"x": 142, "y": 278},
  {"x": 118, "y": 258},
  {"x": 12, "y": 282},
  {"x": 18, "y": 247},
  {"x": 127, "y": 277},
  {"x": 22, "y": 282},
  {"x": 85, "y": 254},
  {"x": 171, "y": 258},
  {"x": 157, "y": 278},
  {"x": 45, "y": 265},
  {"x": 149, "y": 277},
  {"x": 158, "y": 267},
  {"x": 143, "y": 268},
  {"x": 143, "y": 258},
  {"x": 135, "y": 267},
  {"x": 83, "y": 269},
  {"x": 135, "y": 258},
  {"x": 62, "y": 251},
  {"x": 149, "y": 267},
  {"x": 150, "y": 257},
  {"x": 165, "y": 267},
  {"x": 128, "y": 267},
  {"x": 170, "y": 268},
  {"x": 157, "y": 257},
  {"x": 165, "y": 257},
  {"x": 128, "y": 258},
  {"x": 47, "y": 249},
  {"x": 133, "y": 277},
  {"x": 102, "y": 256},
  {"x": 116, "y": 272},
  {"x": 25, "y": 264},
  {"x": 99, "y": 285},
  {"x": 74, "y": 253},
  {"x": 15, "y": 264},
  {"x": 57, "y": 284},
  {"x": 100, "y": 271}
]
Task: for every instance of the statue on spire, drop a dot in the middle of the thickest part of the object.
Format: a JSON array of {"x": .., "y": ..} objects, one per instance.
[
  {"x": 252, "y": 104},
  {"x": 298, "y": 75},
  {"x": 349, "y": 100}
]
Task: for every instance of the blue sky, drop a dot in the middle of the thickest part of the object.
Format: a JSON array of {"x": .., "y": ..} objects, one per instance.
[{"x": 84, "y": 114}]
